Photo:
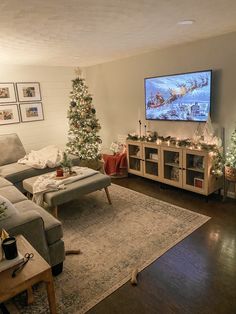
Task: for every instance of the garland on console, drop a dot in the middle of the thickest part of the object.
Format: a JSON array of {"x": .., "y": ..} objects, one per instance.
[
  {"x": 215, "y": 150},
  {"x": 150, "y": 137}
]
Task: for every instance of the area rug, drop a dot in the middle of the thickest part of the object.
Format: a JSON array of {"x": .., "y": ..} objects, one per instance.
[{"x": 114, "y": 239}]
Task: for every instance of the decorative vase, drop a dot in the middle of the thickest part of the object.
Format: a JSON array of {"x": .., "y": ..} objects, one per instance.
[{"x": 230, "y": 173}]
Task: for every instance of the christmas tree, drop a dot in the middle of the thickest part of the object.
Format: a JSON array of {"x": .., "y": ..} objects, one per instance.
[
  {"x": 83, "y": 139},
  {"x": 230, "y": 159}
]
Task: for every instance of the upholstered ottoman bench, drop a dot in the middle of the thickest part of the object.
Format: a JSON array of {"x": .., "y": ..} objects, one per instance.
[{"x": 72, "y": 191}]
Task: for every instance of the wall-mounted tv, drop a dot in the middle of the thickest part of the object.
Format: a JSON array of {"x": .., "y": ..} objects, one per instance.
[{"x": 179, "y": 97}]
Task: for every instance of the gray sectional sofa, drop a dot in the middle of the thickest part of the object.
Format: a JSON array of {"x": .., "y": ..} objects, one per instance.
[{"x": 39, "y": 227}]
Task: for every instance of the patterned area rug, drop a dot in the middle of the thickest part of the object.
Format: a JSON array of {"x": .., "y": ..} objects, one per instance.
[{"x": 114, "y": 239}]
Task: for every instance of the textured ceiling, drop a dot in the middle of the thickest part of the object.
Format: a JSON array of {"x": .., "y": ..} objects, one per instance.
[{"x": 87, "y": 32}]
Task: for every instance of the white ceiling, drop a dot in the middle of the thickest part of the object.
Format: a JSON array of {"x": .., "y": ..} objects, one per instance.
[{"x": 87, "y": 32}]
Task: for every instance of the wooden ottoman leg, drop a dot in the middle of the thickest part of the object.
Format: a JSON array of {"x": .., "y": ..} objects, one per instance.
[
  {"x": 108, "y": 195},
  {"x": 30, "y": 296}
]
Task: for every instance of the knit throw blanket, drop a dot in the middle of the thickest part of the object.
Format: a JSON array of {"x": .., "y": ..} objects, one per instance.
[
  {"x": 48, "y": 182},
  {"x": 49, "y": 156}
]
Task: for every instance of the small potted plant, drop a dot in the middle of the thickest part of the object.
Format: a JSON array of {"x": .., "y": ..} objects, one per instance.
[
  {"x": 230, "y": 159},
  {"x": 66, "y": 164}
]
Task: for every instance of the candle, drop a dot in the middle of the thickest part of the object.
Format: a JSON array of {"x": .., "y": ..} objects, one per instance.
[
  {"x": 9, "y": 248},
  {"x": 59, "y": 172},
  {"x": 140, "y": 125}
]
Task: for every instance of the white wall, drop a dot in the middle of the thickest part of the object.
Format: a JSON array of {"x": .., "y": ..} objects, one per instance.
[
  {"x": 118, "y": 91},
  {"x": 118, "y": 87},
  {"x": 55, "y": 83}
]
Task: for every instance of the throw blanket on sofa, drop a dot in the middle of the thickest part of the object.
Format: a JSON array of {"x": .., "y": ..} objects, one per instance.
[
  {"x": 48, "y": 182},
  {"x": 49, "y": 156}
]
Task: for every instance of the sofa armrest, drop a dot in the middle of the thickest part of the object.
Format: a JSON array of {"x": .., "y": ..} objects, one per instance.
[{"x": 30, "y": 224}]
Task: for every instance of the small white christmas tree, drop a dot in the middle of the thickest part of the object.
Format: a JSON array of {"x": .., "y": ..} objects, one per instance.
[
  {"x": 230, "y": 159},
  {"x": 83, "y": 139}
]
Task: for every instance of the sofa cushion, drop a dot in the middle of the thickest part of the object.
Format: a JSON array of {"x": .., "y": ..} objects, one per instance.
[
  {"x": 4, "y": 182},
  {"x": 17, "y": 172},
  {"x": 7, "y": 209},
  {"x": 12, "y": 194},
  {"x": 53, "y": 228},
  {"x": 11, "y": 149}
]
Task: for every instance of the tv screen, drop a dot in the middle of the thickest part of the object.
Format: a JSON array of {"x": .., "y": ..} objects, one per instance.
[{"x": 180, "y": 97}]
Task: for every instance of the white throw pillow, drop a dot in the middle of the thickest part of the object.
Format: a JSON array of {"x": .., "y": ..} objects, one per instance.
[{"x": 9, "y": 208}]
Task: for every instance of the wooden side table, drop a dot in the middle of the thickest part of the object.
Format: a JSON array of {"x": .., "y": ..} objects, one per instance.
[{"x": 36, "y": 270}]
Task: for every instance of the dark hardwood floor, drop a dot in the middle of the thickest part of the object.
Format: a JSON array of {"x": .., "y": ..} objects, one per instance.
[{"x": 198, "y": 275}]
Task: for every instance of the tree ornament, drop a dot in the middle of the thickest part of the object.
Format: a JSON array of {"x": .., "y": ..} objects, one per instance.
[
  {"x": 93, "y": 110},
  {"x": 78, "y": 71},
  {"x": 73, "y": 103}
]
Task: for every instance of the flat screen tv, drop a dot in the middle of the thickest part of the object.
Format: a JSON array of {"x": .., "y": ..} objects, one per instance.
[{"x": 179, "y": 97}]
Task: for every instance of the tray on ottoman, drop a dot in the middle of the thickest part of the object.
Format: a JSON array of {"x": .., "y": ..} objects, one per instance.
[{"x": 72, "y": 191}]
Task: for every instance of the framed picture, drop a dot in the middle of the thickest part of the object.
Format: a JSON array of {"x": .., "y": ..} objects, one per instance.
[
  {"x": 31, "y": 112},
  {"x": 198, "y": 183},
  {"x": 9, "y": 114},
  {"x": 28, "y": 91},
  {"x": 7, "y": 93}
]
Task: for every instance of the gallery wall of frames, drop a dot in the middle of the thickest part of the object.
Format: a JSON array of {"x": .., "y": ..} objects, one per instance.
[{"x": 20, "y": 102}]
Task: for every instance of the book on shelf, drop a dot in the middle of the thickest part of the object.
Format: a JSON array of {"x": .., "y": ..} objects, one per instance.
[
  {"x": 8, "y": 263},
  {"x": 153, "y": 156}
]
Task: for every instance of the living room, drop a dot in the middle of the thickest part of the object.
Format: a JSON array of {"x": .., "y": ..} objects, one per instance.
[{"x": 114, "y": 46}]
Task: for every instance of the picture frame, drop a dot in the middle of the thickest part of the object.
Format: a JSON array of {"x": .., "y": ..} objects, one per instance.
[
  {"x": 31, "y": 112},
  {"x": 198, "y": 183},
  {"x": 9, "y": 114},
  {"x": 28, "y": 91},
  {"x": 7, "y": 93}
]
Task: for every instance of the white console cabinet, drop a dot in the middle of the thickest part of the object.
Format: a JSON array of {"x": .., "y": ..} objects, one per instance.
[{"x": 182, "y": 167}]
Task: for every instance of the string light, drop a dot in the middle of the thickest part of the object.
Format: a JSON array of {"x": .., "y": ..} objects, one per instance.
[{"x": 83, "y": 139}]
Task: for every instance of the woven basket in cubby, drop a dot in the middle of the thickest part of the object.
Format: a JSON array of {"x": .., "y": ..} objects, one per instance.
[{"x": 230, "y": 173}]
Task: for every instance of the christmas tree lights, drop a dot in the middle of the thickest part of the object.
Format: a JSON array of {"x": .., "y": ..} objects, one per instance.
[
  {"x": 83, "y": 139},
  {"x": 230, "y": 158}
]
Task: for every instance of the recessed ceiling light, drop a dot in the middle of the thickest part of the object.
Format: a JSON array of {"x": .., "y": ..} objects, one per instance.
[{"x": 186, "y": 22}]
